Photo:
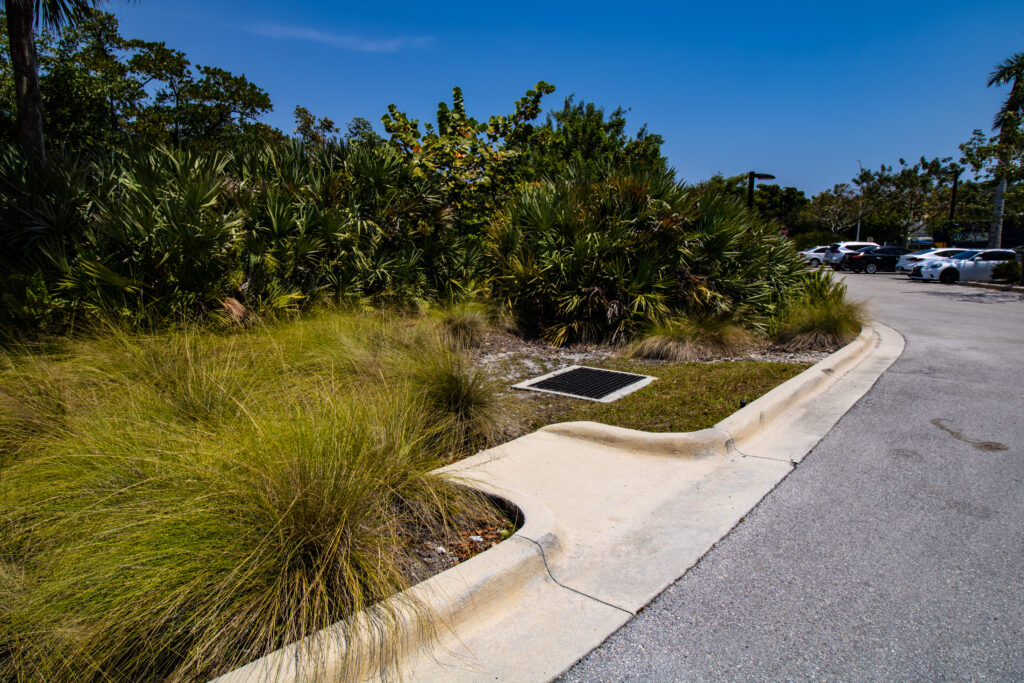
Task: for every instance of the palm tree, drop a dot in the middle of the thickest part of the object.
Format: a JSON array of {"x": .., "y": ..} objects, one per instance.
[
  {"x": 23, "y": 16},
  {"x": 1007, "y": 118}
]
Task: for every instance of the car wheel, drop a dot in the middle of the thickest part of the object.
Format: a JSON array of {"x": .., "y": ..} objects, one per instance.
[
  {"x": 871, "y": 269},
  {"x": 949, "y": 276},
  {"x": 815, "y": 263}
]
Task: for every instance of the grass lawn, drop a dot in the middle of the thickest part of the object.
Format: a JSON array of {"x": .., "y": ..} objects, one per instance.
[{"x": 685, "y": 397}]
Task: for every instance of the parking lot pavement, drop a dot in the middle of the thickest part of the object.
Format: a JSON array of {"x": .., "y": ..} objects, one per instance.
[{"x": 895, "y": 549}]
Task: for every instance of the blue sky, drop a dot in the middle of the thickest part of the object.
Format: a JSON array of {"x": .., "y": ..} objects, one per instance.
[{"x": 801, "y": 90}]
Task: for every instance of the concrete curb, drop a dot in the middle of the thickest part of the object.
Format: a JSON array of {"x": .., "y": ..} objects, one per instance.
[
  {"x": 453, "y": 597},
  {"x": 581, "y": 566},
  {"x": 1001, "y": 287}
]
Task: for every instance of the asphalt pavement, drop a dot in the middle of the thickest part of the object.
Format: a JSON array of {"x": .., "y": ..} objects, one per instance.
[{"x": 895, "y": 550}]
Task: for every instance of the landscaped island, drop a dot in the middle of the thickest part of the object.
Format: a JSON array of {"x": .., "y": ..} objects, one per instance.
[{"x": 180, "y": 503}]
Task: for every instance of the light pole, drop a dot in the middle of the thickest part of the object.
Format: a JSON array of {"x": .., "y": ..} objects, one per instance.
[
  {"x": 751, "y": 177},
  {"x": 860, "y": 200}
]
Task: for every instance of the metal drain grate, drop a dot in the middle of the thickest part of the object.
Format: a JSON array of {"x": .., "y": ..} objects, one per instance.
[{"x": 592, "y": 384}]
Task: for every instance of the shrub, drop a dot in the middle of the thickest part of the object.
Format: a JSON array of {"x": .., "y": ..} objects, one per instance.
[
  {"x": 161, "y": 234},
  {"x": 693, "y": 339},
  {"x": 1006, "y": 271},
  {"x": 593, "y": 259},
  {"x": 820, "y": 316}
]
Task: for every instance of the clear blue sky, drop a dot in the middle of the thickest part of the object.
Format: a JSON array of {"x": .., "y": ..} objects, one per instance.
[{"x": 799, "y": 89}]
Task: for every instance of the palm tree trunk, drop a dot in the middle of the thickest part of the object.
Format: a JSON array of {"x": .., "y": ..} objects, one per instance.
[
  {"x": 28, "y": 100},
  {"x": 995, "y": 228}
]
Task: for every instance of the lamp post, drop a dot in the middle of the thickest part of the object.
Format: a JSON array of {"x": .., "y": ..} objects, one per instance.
[
  {"x": 952, "y": 197},
  {"x": 751, "y": 177},
  {"x": 860, "y": 199}
]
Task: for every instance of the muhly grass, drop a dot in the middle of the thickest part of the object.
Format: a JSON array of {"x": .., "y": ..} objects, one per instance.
[
  {"x": 686, "y": 339},
  {"x": 820, "y": 316},
  {"x": 189, "y": 502},
  {"x": 462, "y": 401},
  {"x": 466, "y": 324}
]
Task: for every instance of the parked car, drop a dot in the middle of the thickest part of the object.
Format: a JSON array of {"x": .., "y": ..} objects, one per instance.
[
  {"x": 837, "y": 249},
  {"x": 814, "y": 256},
  {"x": 915, "y": 272},
  {"x": 977, "y": 267},
  {"x": 844, "y": 259},
  {"x": 908, "y": 261},
  {"x": 872, "y": 259}
]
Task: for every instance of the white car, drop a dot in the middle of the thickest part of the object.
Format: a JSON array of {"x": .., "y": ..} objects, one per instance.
[
  {"x": 815, "y": 256},
  {"x": 908, "y": 261},
  {"x": 977, "y": 267},
  {"x": 918, "y": 268},
  {"x": 837, "y": 249}
]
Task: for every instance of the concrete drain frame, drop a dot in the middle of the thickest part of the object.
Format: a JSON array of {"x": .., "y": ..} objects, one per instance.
[{"x": 621, "y": 383}]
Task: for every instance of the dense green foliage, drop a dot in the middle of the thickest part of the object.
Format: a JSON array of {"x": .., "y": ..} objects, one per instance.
[
  {"x": 100, "y": 89},
  {"x": 591, "y": 258},
  {"x": 168, "y": 232}
]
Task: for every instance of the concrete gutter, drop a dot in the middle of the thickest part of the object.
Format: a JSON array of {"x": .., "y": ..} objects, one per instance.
[{"x": 613, "y": 517}]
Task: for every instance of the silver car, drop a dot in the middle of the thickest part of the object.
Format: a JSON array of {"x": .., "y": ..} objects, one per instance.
[
  {"x": 815, "y": 256},
  {"x": 836, "y": 250},
  {"x": 908, "y": 261}
]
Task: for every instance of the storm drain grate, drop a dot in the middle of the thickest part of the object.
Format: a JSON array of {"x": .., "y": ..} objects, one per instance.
[{"x": 592, "y": 384}]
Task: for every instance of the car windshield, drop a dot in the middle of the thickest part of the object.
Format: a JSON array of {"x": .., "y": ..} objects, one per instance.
[
  {"x": 865, "y": 250},
  {"x": 965, "y": 254},
  {"x": 833, "y": 247},
  {"x": 918, "y": 253}
]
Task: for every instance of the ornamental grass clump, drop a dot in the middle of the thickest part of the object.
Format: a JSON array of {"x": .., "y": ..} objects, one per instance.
[
  {"x": 152, "y": 533},
  {"x": 466, "y": 324},
  {"x": 820, "y": 317},
  {"x": 462, "y": 402},
  {"x": 694, "y": 339}
]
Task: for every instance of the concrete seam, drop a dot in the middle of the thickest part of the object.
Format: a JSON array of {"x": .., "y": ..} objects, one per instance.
[
  {"x": 544, "y": 558},
  {"x": 732, "y": 444}
]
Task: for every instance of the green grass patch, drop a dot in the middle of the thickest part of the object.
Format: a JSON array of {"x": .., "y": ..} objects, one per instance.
[{"x": 686, "y": 397}]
